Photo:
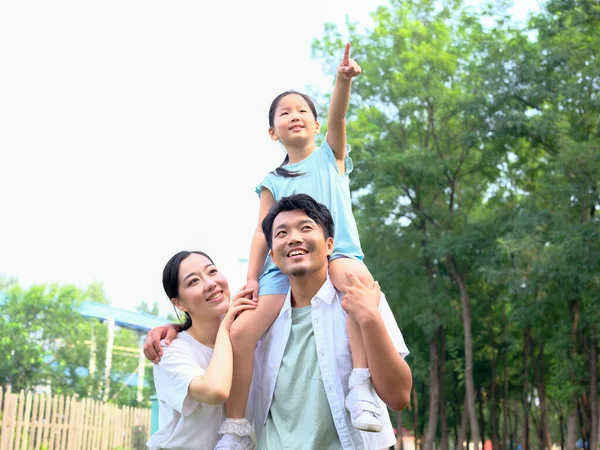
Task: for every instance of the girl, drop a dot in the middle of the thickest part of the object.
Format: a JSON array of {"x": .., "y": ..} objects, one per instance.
[
  {"x": 193, "y": 378},
  {"x": 321, "y": 172}
]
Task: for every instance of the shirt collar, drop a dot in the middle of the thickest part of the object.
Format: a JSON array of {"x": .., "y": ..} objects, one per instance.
[{"x": 327, "y": 293}]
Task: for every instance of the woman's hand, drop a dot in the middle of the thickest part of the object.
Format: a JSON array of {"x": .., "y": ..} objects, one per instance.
[{"x": 241, "y": 302}]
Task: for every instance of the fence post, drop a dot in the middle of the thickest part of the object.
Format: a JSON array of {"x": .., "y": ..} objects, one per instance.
[{"x": 8, "y": 421}]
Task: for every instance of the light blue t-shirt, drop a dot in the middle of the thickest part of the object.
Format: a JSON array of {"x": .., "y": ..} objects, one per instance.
[
  {"x": 323, "y": 182},
  {"x": 300, "y": 417}
]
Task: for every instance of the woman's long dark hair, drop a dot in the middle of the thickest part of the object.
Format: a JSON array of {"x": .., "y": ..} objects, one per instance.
[
  {"x": 170, "y": 280},
  {"x": 282, "y": 171}
]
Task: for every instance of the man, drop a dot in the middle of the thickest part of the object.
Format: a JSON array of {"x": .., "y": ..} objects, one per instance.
[{"x": 303, "y": 363}]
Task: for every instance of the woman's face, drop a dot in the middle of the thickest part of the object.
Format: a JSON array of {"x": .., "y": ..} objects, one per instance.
[{"x": 203, "y": 290}]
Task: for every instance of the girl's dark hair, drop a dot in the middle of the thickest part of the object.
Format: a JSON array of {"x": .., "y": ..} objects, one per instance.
[
  {"x": 282, "y": 171},
  {"x": 170, "y": 279},
  {"x": 302, "y": 202}
]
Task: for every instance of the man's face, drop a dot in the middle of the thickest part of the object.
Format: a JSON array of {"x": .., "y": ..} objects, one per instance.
[{"x": 299, "y": 246}]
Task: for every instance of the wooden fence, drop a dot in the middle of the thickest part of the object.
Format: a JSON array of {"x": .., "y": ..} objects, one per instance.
[{"x": 50, "y": 422}]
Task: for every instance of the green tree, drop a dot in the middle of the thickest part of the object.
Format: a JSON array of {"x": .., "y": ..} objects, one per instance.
[
  {"x": 33, "y": 325},
  {"x": 477, "y": 164}
]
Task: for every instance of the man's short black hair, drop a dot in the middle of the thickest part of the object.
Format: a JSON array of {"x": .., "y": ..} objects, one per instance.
[{"x": 298, "y": 202}]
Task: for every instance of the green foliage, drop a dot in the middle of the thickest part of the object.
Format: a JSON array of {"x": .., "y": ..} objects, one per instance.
[
  {"x": 46, "y": 342},
  {"x": 478, "y": 139},
  {"x": 34, "y": 324}
]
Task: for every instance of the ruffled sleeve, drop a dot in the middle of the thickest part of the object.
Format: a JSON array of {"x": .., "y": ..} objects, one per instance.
[
  {"x": 326, "y": 148},
  {"x": 267, "y": 183}
]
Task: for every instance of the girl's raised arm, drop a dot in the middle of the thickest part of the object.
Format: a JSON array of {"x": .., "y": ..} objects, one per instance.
[{"x": 336, "y": 120}]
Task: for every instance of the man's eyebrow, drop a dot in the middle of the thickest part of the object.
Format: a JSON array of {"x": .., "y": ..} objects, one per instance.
[
  {"x": 301, "y": 222},
  {"x": 194, "y": 273}
]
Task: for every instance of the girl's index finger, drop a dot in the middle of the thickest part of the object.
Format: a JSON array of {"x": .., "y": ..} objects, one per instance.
[{"x": 346, "y": 59}]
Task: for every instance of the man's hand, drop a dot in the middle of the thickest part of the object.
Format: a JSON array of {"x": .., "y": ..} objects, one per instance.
[
  {"x": 152, "y": 347},
  {"x": 348, "y": 68},
  {"x": 360, "y": 302}
]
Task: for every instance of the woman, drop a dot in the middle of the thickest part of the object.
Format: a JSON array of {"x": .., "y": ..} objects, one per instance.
[{"x": 193, "y": 378}]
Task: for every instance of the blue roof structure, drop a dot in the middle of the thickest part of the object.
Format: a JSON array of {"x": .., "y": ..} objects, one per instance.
[
  {"x": 133, "y": 320},
  {"x": 128, "y": 319}
]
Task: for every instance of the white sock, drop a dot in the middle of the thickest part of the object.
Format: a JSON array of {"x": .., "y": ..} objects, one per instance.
[
  {"x": 358, "y": 376},
  {"x": 239, "y": 427}
]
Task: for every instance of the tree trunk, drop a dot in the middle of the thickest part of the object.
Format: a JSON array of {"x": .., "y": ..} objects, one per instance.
[
  {"x": 572, "y": 418},
  {"x": 416, "y": 417},
  {"x": 462, "y": 434},
  {"x": 514, "y": 436},
  {"x": 583, "y": 432},
  {"x": 526, "y": 394},
  {"x": 494, "y": 406},
  {"x": 400, "y": 434},
  {"x": 481, "y": 416},
  {"x": 537, "y": 427},
  {"x": 444, "y": 445},
  {"x": 544, "y": 432},
  {"x": 505, "y": 376},
  {"x": 572, "y": 426},
  {"x": 459, "y": 279},
  {"x": 594, "y": 390},
  {"x": 434, "y": 405},
  {"x": 455, "y": 425},
  {"x": 561, "y": 421}
]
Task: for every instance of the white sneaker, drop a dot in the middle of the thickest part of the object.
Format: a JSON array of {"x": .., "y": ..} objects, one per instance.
[
  {"x": 362, "y": 402},
  {"x": 236, "y": 435},
  {"x": 235, "y": 442}
]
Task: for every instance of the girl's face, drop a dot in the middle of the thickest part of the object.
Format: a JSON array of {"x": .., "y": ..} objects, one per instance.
[
  {"x": 203, "y": 290},
  {"x": 293, "y": 121}
]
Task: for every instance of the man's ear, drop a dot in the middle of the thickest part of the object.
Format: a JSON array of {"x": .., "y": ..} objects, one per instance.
[
  {"x": 329, "y": 245},
  {"x": 272, "y": 134}
]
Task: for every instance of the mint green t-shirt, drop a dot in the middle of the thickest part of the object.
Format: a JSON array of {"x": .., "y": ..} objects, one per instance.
[{"x": 300, "y": 417}]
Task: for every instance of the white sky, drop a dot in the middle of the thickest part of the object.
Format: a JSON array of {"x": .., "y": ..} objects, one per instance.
[{"x": 130, "y": 130}]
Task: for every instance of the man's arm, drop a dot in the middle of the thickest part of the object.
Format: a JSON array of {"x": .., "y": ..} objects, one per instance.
[
  {"x": 152, "y": 348},
  {"x": 391, "y": 376}
]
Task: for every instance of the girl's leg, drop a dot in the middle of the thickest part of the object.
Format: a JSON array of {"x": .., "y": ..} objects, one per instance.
[
  {"x": 245, "y": 332},
  {"x": 337, "y": 272},
  {"x": 361, "y": 400}
]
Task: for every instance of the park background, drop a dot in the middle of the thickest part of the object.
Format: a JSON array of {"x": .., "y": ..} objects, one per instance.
[{"x": 475, "y": 139}]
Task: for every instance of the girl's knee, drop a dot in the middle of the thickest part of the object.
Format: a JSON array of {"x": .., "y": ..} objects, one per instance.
[{"x": 340, "y": 266}]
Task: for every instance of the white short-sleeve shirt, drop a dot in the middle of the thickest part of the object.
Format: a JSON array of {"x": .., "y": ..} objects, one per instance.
[
  {"x": 335, "y": 363},
  {"x": 184, "y": 423}
]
